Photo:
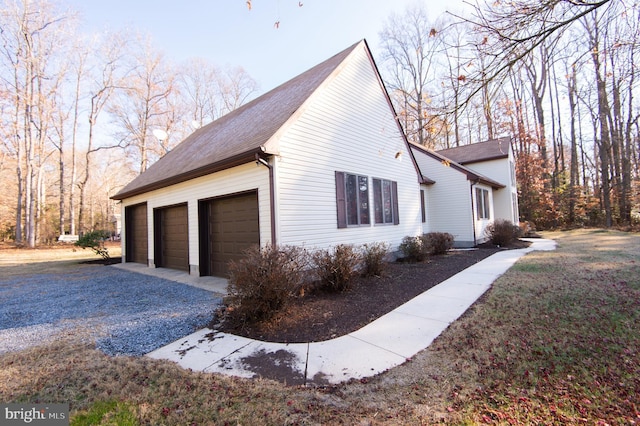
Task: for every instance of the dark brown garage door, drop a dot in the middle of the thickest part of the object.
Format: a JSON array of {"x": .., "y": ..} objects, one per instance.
[
  {"x": 229, "y": 226},
  {"x": 172, "y": 237},
  {"x": 136, "y": 234}
]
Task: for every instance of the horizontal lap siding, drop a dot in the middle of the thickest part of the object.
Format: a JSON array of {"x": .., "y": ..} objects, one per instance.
[
  {"x": 499, "y": 170},
  {"x": 448, "y": 200},
  {"x": 237, "y": 179},
  {"x": 347, "y": 126}
]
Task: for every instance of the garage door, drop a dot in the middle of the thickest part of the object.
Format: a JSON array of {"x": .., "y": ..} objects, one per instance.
[
  {"x": 230, "y": 226},
  {"x": 172, "y": 237},
  {"x": 136, "y": 234}
]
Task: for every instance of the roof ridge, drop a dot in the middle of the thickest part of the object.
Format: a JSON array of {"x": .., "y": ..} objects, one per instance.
[{"x": 237, "y": 135}]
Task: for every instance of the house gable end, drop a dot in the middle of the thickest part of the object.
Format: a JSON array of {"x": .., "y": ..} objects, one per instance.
[
  {"x": 346, "y": 128},
  {"x": 470, "y": 174}
]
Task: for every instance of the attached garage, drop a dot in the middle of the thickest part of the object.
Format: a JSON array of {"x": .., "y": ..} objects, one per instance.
[
  {"x": 228, "y": 226},
  {"x": 137, "y": 248},
  {"x": 171, "y": 235}
]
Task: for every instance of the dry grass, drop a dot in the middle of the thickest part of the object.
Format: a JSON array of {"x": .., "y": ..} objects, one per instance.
[
  {"x": 554, "y": 341},
  {"x": 58, "y": 258}
]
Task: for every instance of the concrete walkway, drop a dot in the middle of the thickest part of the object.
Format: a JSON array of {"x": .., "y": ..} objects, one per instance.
[
  {"x": 383, "y": 344},
  {"x": 214, "y": 284}
]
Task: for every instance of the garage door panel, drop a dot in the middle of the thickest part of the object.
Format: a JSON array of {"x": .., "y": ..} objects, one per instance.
[
  {"x": 173, "y": 238},
  {"x": 136, "y": 234},
  {"x": 233, "y": 225}
]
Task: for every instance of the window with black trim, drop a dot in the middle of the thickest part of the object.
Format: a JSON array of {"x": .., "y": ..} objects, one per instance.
[
  {"x": 482, "y": 203},
  {"x": 385, "y": 201}
]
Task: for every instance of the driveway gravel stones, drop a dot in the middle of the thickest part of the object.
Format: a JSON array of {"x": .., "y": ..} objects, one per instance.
[{"x": 124, "y": 312}]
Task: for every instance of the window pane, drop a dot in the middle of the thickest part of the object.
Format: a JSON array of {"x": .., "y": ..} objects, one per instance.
[
  {"x": 386, "y": 197},
  {"x": 479, "y": 203},
  {"x": 485, "y": 196},
  {"x": 363, "y": 186},
  {"x": 377, "y": 200},
  {"x": 351, "y": 184}
]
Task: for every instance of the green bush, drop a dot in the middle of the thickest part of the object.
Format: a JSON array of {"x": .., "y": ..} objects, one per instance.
[
  {"x": 265, "y": 279},
  {"x": 95, "y": 241},
  {"x": 411, "y": 248},
  {"x": 373, "y": 258},
  {"x": 436, "y": 243},
  {"x": 502, "y": 232},
  {"x": 336, "y": 268}
]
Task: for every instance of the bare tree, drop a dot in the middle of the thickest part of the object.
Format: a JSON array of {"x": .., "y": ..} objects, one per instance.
[
  {"x": 210, "y": 92},
  {"x": 454, "y": 79},
  {"x": 107, "y": 76},
  {"x": 144, "y": 105},
  {"x": 511, "y": 31},
  {"x": 410, "y": 43},
  {"x": 235, "y": 87},
  {"x": 32, "y": 38}
]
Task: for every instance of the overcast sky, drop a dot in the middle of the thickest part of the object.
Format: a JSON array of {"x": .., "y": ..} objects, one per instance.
[{"x": 226, "y": 32}]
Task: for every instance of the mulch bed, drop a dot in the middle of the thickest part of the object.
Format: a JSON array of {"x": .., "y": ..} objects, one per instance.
[{"x": 321, "y": 316}]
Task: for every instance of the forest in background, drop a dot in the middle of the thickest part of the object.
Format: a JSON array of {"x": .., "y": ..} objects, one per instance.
[
  {"x": 558, "y": 76},
  {"x": 84, "y": 114}
]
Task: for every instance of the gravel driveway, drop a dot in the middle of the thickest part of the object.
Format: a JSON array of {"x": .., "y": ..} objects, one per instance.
[{"x": 124, "y": 312}]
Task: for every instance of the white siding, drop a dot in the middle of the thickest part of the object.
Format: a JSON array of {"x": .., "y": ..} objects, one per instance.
[
  {"x": 500, "y": 171},
  {"x": 449, "y": 206},
  {"x": 347, "y": 125},
  {"x": 238, "y": 179}
]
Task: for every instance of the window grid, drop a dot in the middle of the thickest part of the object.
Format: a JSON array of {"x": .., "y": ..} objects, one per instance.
[
  {"x": 482, "y": 201},
  {"x": 357, "y": 198},
  {"x": 383, "y": 201}
]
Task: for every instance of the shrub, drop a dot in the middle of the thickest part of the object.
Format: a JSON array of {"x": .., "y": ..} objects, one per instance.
[
  {"x": 502, "y": 232},
  {"x": 373, "y": 258},
  {"x": 95, "y": 241},
  {"x": 411, "y": 247},
  {"x": 527, "y": 229},
  {"x": 437, "y": 243},
  {"x": 265, "y": 279},
  {"x": 336, "y": 268}
]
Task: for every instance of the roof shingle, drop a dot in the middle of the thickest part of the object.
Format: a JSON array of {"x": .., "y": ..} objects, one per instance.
[
  {"x": 236, "y": 137},
  {"x": 448, "y": 161},
  {"x": 477, "y": 152}
]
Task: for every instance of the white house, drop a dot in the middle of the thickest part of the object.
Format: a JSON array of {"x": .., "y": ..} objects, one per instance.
[
  {"x": 494, "y": 159},
  {"x": 461, "y": 201},
  {"x": 318, "y": 161}
]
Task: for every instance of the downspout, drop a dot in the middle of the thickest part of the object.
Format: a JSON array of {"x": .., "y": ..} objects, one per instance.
[
  {"x": 473, "y": 213},
  {"x": 272, "y": 196}
]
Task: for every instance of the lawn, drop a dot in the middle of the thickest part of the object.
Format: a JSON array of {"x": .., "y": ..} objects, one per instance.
[{"x": 554, "y": 341}]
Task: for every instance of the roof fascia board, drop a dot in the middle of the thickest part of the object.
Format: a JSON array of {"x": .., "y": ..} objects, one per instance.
[
  {"x": 471, "y": 175},
  {"x": 237, "y": 160}
]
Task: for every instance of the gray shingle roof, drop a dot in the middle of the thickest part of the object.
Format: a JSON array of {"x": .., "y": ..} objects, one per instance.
[
  {"x": 471, "y": 175},
  {"x": 235, "y": 138},
  {"x": 477, "y": 152}
]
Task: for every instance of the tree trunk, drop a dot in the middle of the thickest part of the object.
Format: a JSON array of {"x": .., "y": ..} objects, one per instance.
[
  {"x": 62, "y": 186},
  {"x": 573, "y": 166},
  {"x": 605, "y": 144},
  {"x": 627, "y": 193}
]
